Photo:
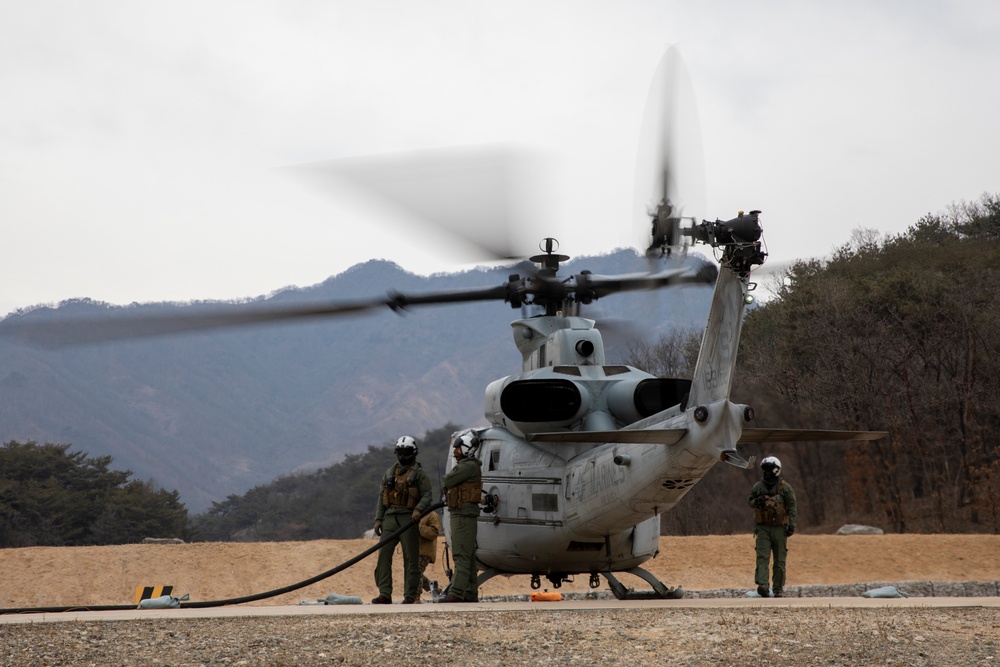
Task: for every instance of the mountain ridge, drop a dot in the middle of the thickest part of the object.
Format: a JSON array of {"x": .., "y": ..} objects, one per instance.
[{"x": 217, "y": 412}]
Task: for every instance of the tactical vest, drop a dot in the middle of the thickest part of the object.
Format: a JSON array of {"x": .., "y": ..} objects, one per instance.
[
  {"x": 400, "y": 491},
  {"x": 466, "y": 492},
  {"x": 773, "y": 513}
]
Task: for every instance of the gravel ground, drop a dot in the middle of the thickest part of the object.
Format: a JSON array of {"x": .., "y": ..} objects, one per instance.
[
  {"x": 710, "y": 566},
  {"x": 745, "y": 637}
]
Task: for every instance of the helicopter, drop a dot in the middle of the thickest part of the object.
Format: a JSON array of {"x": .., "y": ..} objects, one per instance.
[{"x": 580, "y": 456}]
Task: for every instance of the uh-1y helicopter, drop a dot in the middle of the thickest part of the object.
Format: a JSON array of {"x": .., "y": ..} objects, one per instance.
[{"x": 580, "y": 457}]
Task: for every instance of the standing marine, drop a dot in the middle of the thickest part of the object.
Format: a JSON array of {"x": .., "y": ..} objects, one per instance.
[
  {"x": 773, "y": 502},
  {"x": 405, "y": 494},
  {"x": 463, "y": 490}
]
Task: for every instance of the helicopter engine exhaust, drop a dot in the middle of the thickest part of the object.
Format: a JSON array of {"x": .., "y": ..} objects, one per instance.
[
  {"x": 632, "y": 400},
  {"x": 534, "y": 406}
]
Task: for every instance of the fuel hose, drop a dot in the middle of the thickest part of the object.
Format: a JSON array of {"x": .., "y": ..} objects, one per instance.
[{"x": 239, "y": 600}]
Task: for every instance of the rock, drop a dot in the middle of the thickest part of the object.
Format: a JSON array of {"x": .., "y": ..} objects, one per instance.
[
  {"x": 162, "y": 540},
  {"x": 856, "y": 529},
  {"x": 885, "y": 592}
]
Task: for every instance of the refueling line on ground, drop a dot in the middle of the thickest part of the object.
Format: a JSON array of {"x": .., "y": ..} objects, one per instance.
[{"x": 240, "y": 600}]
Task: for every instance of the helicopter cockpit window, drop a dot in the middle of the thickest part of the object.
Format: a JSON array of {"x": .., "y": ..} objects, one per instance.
[
  {"x": 615, "y": 370},
  {"x": 567, "y": 370},
  {"x": 494, "y": 459}
]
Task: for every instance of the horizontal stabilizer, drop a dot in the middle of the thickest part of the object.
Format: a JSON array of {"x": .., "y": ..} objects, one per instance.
[
  {"x": 760, "y": 435},
  {"x": 669, "y": 436},
  {"x": 662, "y": 436}
]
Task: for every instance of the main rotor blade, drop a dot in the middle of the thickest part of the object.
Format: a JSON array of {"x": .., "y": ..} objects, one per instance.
[
  {"x": 41, "y": 330},
  {"x": 493, "y": 197},
  {"x": 602, "y": 286}
]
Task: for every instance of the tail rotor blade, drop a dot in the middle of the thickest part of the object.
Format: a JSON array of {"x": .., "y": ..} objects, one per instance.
[{"x": 669, "y": 169}]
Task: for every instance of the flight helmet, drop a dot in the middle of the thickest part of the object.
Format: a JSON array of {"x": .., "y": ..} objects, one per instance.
[
  {"x": 771, "y": 466},
  {"x": 406, "y": 450},
  {"x": 468, "y": 443}
]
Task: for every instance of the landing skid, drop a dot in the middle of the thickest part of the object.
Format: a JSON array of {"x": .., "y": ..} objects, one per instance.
[
  {"x": 486, "y": 575},
  {"x": 659, "y": 592}
]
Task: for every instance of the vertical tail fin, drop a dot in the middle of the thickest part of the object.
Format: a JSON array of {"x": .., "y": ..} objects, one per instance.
[
  {"x": 739, "y": 240},
  {"x": 713, "y": 373}
]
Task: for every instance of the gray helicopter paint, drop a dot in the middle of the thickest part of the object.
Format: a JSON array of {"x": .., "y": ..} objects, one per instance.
[
  {"x": 611, "y": 495},
  {"x": 579, "y": 474},
  {"x": 568, "y": 507},
  {"x": 543, "y": 339},
  {"x": 713, "y": 373}
]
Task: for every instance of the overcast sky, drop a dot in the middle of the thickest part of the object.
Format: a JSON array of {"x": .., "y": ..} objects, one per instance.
[{"x": 139, "y": 141}]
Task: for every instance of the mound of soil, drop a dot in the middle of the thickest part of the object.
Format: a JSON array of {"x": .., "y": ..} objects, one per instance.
[{"x": 53, "y": 576}]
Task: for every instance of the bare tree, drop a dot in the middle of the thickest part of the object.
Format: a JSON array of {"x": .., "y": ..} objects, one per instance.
[{"x": 672, "y": 355}]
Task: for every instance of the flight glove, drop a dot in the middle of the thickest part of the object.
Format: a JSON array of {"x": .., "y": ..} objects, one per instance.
[{"x": 378, "y": 527}]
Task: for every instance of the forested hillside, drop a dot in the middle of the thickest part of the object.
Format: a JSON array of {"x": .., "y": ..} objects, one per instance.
[
  {"x": 50, "y": 496},
  {"x": 336, "y": 502},
  {"x": 895, "y": 333}
]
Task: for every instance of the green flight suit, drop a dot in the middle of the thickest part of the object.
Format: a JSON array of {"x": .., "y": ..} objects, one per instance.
[
  {"x": 771, "y": 529},
  {"x": 464, "y": 581},
  {"x": 392, "y": 519}
]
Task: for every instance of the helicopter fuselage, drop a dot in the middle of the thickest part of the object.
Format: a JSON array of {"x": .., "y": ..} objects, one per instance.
[{"x": 582, "y": 456}]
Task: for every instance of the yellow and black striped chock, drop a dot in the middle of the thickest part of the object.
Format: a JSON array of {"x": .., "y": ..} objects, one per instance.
[{"x": 150, "y": 592}]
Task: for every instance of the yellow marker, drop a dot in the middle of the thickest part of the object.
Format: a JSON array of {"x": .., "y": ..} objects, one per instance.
[{"x": 150, "y": 592}]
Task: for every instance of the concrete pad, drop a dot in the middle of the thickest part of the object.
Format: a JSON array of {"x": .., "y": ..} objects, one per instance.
[{"x": 244, "y": 611}]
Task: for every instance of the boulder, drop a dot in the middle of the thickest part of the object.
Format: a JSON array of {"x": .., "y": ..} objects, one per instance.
[
  {"x": 162, "y": 540},
  {"x": 856, "y": 529}
]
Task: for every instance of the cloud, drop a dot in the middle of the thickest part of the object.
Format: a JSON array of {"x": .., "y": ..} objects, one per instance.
[{"x": 136, "y": 140}]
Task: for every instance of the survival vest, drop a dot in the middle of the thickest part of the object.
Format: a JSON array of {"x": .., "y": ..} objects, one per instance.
[
  {"x": 773, "y": 513},
  {"x": 466, "y": 492},
  {"x": 400, "y": 490}
]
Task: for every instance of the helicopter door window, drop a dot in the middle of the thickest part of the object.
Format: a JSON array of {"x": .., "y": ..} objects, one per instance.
[{"x": 494, "y": 459}]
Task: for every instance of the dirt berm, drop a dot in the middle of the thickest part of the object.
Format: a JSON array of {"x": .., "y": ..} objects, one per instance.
[{"x": 51, "y": 576}]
